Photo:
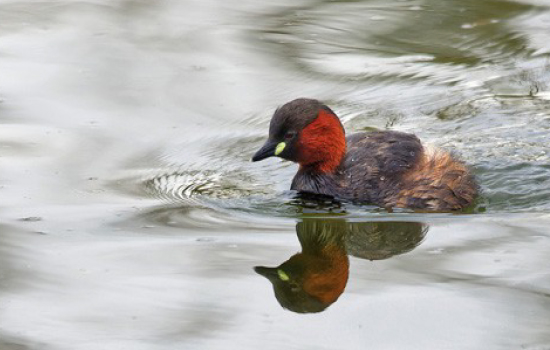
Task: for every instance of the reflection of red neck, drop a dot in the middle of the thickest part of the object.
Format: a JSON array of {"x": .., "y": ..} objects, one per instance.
[
  {"x": 322, "y": 144},
  {"x": 328, "y": 276}
]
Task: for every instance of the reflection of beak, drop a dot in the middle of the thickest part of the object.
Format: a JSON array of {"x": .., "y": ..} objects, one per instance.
[
  {"x": 268, "y": 272},
  {"x": 267, "y": 150}
]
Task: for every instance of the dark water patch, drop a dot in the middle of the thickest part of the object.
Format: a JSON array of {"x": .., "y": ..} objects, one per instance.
[
  {"x": 319, "y": 36},
  {"x": 9, "y": 342}
]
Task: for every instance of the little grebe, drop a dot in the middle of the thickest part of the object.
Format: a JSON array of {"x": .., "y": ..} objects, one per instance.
[{"x": 386, "y": 168}]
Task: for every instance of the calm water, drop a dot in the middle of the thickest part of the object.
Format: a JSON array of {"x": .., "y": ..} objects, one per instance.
[{"x": 132, "y": 218}]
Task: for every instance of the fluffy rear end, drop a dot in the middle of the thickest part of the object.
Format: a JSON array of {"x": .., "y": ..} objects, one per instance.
[{"x": 439, "y": 182}]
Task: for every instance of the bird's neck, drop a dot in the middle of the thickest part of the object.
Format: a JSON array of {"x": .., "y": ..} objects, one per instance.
[
  {"x": 322, "y": 144},
  {"x": 308, "y": 181}
]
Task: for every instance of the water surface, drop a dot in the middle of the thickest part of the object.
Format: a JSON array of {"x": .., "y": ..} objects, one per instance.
[{"x": 131, "y": 216}]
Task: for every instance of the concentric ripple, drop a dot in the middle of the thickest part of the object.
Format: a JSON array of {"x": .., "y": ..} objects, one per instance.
[{"x": 468, "y": 87}]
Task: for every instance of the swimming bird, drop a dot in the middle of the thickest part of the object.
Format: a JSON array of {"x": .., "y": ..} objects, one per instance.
[{"x": 389, "y": 169}]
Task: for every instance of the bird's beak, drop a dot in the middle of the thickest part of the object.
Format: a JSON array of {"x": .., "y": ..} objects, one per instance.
[
  {"x": 269, "y": 149},
  {"x": 268, "y": 272}
]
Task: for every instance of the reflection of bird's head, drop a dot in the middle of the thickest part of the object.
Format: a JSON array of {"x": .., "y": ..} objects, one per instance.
[{"x": 312, "y": 280}]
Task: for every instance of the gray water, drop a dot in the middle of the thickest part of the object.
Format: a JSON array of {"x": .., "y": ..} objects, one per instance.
[{"x": 132, "y": 218}]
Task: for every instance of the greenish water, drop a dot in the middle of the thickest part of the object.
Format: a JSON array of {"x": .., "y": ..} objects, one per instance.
[{"x": 131, "y": 216}]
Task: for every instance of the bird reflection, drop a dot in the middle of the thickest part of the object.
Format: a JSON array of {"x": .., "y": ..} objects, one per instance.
[{"x": 310, "y": 281}]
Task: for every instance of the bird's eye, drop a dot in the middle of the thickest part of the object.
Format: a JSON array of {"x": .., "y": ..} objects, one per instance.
[{"x": 289, "y": 135}]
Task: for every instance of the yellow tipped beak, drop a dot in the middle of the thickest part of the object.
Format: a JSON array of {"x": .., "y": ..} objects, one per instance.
[
  {"x": 270, "y": 149},
  {"x": 280, "y": 148},
  {"x": 282, "y": 275}
]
